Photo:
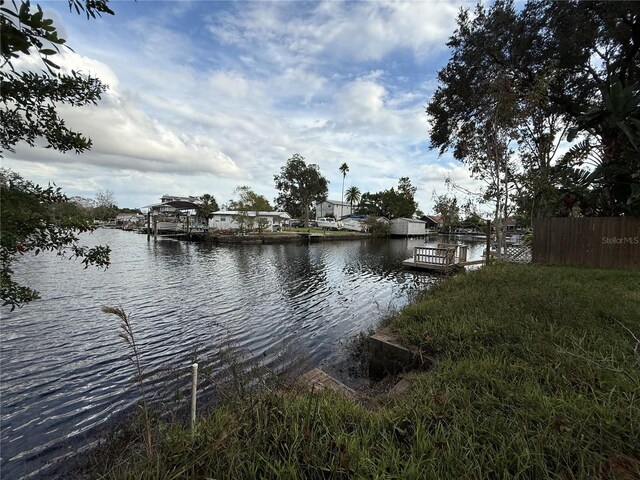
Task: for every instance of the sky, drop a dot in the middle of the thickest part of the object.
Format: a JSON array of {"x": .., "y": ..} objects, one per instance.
[{"x": 206, "y": 96}]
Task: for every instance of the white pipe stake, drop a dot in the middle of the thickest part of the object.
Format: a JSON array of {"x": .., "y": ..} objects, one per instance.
[{"x": 194, "y": 388}]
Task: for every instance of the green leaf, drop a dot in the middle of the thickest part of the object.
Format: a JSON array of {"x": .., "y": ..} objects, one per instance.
[
  {"x": 50, "y": 63},
  {"x": 8, "y": 12},
  {"x": 36, "y": 18},
  {"x": 23, "y": 14}
]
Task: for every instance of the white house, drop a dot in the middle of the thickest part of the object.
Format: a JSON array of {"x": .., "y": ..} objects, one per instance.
[
  {"x": 333, "y": 207},
  {"x": 231, "y": 220},
  {"x": 407, "y": 227}
]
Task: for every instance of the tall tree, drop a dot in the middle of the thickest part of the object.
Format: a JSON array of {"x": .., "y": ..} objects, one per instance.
[
  {"x": 371, "y": 204},
  {"x": 597, "y": 44},
  {"x": 36, "y": 219},
  {"x": 390, "y": 203},
  {"x": 447, "y": 207},
  {"x": 353, "y": 195},
  {"x": 476, "y": 109},
  {"x": 553, "y": 62},
  {"x": 208, "y": 206},
  {"x": 344, "y": 168},
  {"x": 407, "y": 193},
  {"x": 248, "y": 206},
  {"x": 106, "y": 208},
  {"x": 30, "y": 98},
  {"x": 300, "y": 185}
]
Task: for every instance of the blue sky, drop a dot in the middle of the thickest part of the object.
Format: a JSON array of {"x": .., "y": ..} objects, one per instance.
[{"x": 207, "y": 96}]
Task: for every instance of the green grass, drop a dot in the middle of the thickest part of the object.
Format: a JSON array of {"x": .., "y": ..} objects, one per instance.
[{"x": 536, "y": 377}]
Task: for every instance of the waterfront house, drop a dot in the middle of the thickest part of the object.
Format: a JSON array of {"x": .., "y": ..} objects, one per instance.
[
  {"x": 172, "y": 204},
  {"x": 235, "y": 220},
  {"x": 333, "y": 208},
  {"x": 176, "y": 214},
  {"x": 435, "y": 222},
  {"x": 510, "y": 224},
  {"x": 407, "y": 227}
]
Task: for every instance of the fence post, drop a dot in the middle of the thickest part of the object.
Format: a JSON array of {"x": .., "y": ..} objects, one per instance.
[{"x": 194, "y": 388}]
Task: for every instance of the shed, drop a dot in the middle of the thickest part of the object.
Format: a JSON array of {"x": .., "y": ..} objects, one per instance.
[{"x": 407, "y": 227}]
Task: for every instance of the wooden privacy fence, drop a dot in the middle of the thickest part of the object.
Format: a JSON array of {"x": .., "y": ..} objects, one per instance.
[{"x": 606, "y": 242}]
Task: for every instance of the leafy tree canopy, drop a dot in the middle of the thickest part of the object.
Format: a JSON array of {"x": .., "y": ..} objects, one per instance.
[
  {"x": 248, "y": 204},
  {"x": 36, "y": 219},
  {"x": 249, "y": 201},
  {"x": 353, "y": 196},
  {"x": 208, "y": 207},
  {"x": 518, "y": 79},
  {"x": 300, "y": 185},
  {"x": 447, "y": 207},
  {"x": 392, "y": 203},
  {"x": 29, "y": 98}
]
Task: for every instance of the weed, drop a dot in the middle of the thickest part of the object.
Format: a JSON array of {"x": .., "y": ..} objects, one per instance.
[
  {"x": 126, "y": 333},
  {"x": 536, "y": 377}
]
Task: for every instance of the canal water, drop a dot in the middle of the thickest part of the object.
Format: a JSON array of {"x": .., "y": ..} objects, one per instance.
[{"x": 65, "y": 372}]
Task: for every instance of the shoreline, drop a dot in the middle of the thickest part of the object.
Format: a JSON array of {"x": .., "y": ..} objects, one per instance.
[
  {"x": 269, "y": 239},
  {"x": 488, "y": 337}
]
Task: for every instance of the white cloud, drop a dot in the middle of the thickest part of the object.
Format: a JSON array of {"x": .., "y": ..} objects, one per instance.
[
  {"x": 362, "y": 99},
  {"x": 183, "y": 116},
  {"x": 232, "y": 84},
  {"x": 359, "y": 31}
]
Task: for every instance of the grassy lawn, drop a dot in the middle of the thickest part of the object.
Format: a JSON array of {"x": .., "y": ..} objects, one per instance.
[{"x": 536, "y": 377}]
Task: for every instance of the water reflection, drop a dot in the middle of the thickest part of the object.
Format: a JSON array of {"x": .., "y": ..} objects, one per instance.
[{"x": 65, "y": 371}]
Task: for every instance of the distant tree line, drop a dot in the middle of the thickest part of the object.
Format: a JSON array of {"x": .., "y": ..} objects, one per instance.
[
  {"x": 103, "y": 207},
  {"x": 391, "y": 203}
]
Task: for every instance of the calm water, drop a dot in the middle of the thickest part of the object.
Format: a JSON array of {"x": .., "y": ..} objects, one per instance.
[{"x": 65, "y": 372}]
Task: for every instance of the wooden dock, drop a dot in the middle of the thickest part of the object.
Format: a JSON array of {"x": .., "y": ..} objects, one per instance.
[{"x": 445, "y": 257}]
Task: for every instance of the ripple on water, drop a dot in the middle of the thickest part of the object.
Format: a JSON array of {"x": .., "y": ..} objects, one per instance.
[{"x": 65, "y": 371}]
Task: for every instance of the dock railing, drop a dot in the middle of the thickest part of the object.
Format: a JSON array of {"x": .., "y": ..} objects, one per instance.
[
  {"x": 460, "y": 251},
  {"x": 444, "y": 257}
]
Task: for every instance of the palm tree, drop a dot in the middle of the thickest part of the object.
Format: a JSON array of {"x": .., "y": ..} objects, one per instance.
[
  {"x": 344, "y": 168},
  {"x": 208, "y": 206},
  {"x": 353, "y": 195}
]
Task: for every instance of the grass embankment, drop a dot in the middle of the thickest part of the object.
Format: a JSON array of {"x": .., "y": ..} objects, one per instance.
[{"x": 536, "y": 378}]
